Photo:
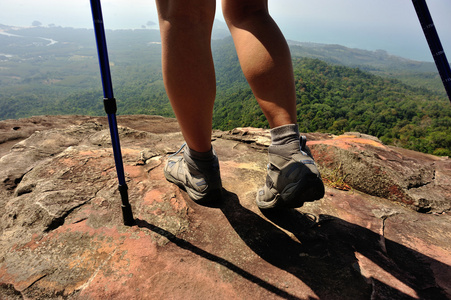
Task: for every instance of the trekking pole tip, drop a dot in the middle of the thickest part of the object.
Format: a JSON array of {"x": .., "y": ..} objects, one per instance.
[
  {"x": 128, "y": 216},
  {"x": 127, "y": 213}
]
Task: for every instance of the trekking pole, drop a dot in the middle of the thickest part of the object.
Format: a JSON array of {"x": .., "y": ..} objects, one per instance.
[
  {"x": 110, "y": 108},
  {"x": 434, "y": 43}
]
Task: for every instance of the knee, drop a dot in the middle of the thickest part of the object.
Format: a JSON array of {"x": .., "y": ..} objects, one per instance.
[{"x": 237, "y": 12}]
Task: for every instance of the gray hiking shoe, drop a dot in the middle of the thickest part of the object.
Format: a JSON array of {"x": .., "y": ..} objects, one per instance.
[
  {"x": 200, "y": 179},
  {"x": 292, "y": 177}
]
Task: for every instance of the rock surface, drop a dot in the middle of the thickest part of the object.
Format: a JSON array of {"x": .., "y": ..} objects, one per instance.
[{"x": 382, "y": 231}]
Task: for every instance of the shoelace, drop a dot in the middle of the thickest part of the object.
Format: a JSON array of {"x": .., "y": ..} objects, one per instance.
[{"x": 178, "y": 151}]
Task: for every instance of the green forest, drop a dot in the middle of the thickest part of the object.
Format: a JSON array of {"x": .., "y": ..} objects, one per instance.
[
  {"x": 337, "y": 99},
  {"x": 409, "y": 110}
]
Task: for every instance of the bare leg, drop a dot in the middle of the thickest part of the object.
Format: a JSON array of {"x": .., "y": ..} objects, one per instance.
[
  {"x": 188, "y": 70},
  {"x": 264, "y": 57}
]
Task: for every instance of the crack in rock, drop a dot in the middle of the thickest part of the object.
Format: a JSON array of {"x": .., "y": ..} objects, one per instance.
[
  {"x": 59, "y": 221},
  {"x": 384, "y": 214},
  {"x": 34, "y": 282}
]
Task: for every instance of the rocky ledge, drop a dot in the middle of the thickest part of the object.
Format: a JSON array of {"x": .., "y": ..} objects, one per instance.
[{"x": 382, "y": 231}]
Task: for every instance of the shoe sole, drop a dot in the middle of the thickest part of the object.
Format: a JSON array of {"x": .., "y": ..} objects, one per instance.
[{"x": 305, "y": 190}]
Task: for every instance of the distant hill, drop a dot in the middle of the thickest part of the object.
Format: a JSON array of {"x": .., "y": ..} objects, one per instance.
[
  {"x": 54, "y": 70},
  {"x": 353, "y": 57},
  {"x": 379, "y": 62}
]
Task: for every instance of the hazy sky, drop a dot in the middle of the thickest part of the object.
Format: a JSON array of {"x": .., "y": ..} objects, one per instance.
[{"x": 390, "y": 25}]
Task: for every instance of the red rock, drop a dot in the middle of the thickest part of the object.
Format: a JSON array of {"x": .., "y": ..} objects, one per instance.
[{"x": 62, "y": 234}]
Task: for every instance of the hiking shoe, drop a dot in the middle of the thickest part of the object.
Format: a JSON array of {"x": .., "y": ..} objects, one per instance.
[
  {"x": 200, "y": 179},
  {"x": 292, "y": 177}
]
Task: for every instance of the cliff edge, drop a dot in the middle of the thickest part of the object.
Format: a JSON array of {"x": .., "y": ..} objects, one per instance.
[{"x": 382, "y": 231}]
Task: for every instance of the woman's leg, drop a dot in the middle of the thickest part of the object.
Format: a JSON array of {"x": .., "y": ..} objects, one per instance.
[
  {"x": 264, "y": 57},
  {"x": 189, "y": 78},
  {"x": 292, "y": 177},
  {"x": 188, "y": 70}
]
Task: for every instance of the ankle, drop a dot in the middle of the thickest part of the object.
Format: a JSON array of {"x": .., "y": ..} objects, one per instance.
[
  {"x": 285, "y": 134},
  {"x": 200, "y": 156}
]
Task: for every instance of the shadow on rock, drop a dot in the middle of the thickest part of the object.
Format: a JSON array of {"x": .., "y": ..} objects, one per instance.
[
  {"x": 326, "y": 254},
  {"x": 214, "y": 258}
]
